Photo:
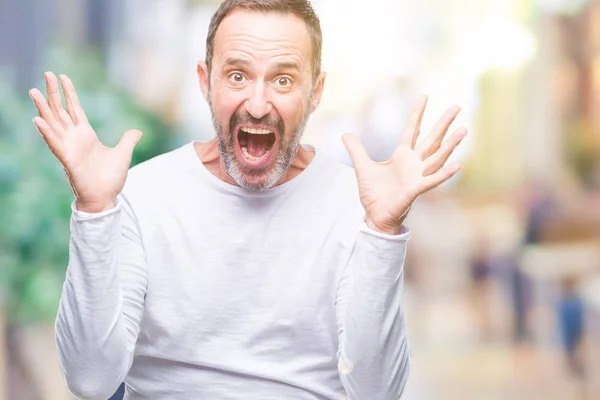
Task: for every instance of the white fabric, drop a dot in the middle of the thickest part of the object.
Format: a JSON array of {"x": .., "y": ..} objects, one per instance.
[{"x": 192, "y": 288}]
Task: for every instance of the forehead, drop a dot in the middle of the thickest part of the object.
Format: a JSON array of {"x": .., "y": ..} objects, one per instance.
[{"x": 262, "y": 37}]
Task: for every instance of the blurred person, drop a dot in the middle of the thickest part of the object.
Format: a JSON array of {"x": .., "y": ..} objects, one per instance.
[
  {"x": 481, "y": 271},
  {"x": 570, "y": 313},
  {"x": 519, "y": 289},
  {"x": 246, "y": 266},
  {"x": 539, "y": 206}
]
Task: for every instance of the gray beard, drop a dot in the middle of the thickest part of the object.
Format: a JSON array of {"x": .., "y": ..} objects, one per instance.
[{"x": 287, "y": 152}]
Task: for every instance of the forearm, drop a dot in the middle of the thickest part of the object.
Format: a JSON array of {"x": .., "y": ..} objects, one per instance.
[
  {"x": 375, "y": 359},
  {"x": 95, "y": 347}
]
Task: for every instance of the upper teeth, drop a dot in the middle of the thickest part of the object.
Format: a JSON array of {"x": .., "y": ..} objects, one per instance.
[{"x": 256, "y": 131}]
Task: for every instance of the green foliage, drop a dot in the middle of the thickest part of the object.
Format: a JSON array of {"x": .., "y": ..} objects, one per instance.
[{"x": 35, "y": 197}]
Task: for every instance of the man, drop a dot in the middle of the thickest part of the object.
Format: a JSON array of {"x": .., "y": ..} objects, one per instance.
[{"x": 246, "y": 267}]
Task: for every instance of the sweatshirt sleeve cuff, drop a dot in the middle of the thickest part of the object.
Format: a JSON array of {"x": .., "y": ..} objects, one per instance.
[
  {"x": 404, "y": 235},
  {"x": 83, "y": 216}
]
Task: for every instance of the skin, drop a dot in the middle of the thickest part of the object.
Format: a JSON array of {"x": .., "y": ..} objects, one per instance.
[{"x": 261, "y": 67}]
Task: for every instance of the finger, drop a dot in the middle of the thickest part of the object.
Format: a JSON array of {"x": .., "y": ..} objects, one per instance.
[
  {"x": 411, "y": 131},
  {"x": 128, "y": 141},
  {"x": 44, "y": 111},
  {"x": 73, "y": 107},
  {"x": 435, "y": 180},
  {"x": 53, "y": 142},
  {"x": 356, "y": 150},
  {"x": 54, "y": 99},
  {"x": 433, "y": 142},
  {"x": 67, "y": 122},
  {"x": 439, "y": 158}
]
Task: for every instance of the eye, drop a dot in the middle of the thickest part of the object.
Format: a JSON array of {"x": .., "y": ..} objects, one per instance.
[
  {"x": 284, "y": 82},
  {"x": 236, "y": 77}
]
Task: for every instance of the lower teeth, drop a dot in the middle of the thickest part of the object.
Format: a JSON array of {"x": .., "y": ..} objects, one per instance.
[{"x": 250, "y": 156}]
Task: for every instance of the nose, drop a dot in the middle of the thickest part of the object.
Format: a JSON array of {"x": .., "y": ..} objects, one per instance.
[{"x": 258, "y": 104}]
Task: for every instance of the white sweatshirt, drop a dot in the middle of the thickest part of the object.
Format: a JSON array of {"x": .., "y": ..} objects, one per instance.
[{"x": 192, "y": 288}]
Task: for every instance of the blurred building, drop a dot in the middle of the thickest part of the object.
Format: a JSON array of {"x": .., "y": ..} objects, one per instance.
[{"x": 37, "y": 25}]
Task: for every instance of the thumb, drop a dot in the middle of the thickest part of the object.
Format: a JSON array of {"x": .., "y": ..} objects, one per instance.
[
  {"x": 129, "y": 140},
  {"x": 356, "y": 150}
]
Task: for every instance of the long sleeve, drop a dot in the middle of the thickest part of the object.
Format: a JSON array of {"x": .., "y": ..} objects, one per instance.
[
  {"x": 102, "y": 301},
  {"x": 374, "y": 358}
]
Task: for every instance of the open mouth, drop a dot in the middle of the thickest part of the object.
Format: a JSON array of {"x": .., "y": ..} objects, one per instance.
[{"x": 255, "y": 144}]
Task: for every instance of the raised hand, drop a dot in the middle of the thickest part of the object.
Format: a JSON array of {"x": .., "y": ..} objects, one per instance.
[
  {"x": 388, "y": 189},
  {"x": 96, "y": 173}
]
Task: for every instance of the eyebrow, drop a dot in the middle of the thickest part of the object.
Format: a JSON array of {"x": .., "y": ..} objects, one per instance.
[
  {"x": 288, "y": 65},
  {"x": 233, "y": 61}
]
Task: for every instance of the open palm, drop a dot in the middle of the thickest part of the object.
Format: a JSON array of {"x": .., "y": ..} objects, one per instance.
[
  {"x": 388, "y": 189},
  {"x": 97, "y": 173}
]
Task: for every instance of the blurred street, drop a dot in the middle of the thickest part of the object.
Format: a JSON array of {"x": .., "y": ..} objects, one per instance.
[{"x": 502, "y": 281}]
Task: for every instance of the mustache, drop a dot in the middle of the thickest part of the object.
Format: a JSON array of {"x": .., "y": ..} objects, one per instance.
[{"x": 243, "y": 118}]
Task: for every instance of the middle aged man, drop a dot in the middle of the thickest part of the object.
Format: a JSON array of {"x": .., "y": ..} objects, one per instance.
[{"x": 247, "y": 267}]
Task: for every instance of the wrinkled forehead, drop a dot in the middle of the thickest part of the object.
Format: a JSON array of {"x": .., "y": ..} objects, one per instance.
[{"x": 263, "y": 38}]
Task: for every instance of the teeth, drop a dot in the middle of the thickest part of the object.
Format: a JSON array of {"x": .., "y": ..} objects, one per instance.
[
  {"x": 250, "y": 156},
  {"x": 255, "y": 131}
]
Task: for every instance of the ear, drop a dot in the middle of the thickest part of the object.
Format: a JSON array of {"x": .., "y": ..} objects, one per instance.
[
  {"x": 318, "y": 91},
  {"x": 204, "y": 78}
]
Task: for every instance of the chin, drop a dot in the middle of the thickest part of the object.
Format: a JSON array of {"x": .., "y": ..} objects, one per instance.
[
  {"x": 253, "y": 175},
  {"x": 260, "y": 181}
]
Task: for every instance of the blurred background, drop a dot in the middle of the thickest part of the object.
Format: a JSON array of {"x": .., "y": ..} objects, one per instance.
[{"x": 503, "y": 279}]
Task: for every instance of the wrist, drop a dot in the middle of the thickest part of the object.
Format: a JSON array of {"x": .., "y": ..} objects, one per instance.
[{"x": 388, "y": 227}]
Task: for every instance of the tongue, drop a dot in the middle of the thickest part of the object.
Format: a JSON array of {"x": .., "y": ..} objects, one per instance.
[{"x": 257, "y": 145}]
